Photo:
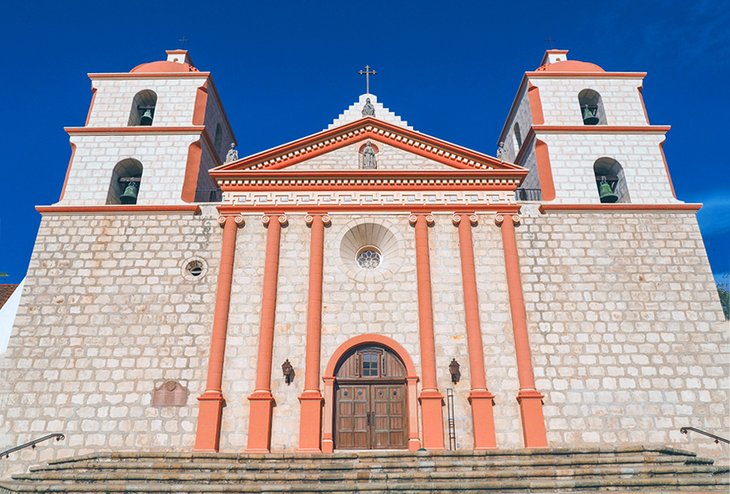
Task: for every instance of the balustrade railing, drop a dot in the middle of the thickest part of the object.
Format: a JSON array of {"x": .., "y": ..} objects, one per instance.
[
  {"x": 528, "y": 194},
  {"x": 32, "y": 444},
  {"x": 717, "y": 439}
]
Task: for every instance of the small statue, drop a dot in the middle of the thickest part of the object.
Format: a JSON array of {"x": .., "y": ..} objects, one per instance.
[
  {"x": 368, "y": 110},
  {"x": 232, "y": 154},
  {"x": 368, "y": 158},
  {"x": 501, "y": 151}
]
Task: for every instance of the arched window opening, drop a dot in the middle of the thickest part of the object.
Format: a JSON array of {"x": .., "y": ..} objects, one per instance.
[
  {"x": 518, "y": 136},
  {"x": 368, "y": 156},
  {"x": 218, "y": 139},
  {"x": 591, "y": 107},
  {"x": 143, "y": 108},
  {"x": 126, "y": 179},
  {"x": 611, "y": 181}
]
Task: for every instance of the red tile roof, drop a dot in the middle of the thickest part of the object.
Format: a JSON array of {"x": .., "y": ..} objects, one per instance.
[{"x": 5, "y": 292}]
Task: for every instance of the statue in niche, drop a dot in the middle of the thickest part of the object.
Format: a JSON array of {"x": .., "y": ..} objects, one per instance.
[
  {"x": 368, "y": 110},
  {"x": 369, "y": 161},
  {"x": 232, "y": 154}
]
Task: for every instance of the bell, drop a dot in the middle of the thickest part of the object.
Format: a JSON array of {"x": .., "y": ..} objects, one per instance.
[
  {"x": 146, "y": 118},
  {"x": 130, "y": 194},
  {"x": 589, "y": 115},
  {"x": 606, "y": 193}
]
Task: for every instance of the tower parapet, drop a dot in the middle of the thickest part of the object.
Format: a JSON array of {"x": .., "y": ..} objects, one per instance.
[
  {"x": 150, "y": 137},
  {"x": 585, "y": 135}
]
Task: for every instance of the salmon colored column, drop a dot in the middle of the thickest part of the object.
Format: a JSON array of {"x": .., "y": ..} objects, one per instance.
[
  {"x": 482, "y": 401},
  {"x": 431, "y": 399},
  {"x": 211, "y": 401},
  {"x": 262, "y": 401},
  {"x": 310, "y": 420},
  {"x": 530, "y": 400}
]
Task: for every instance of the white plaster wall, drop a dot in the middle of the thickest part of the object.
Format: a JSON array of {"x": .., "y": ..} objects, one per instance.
[
  {"x": 572, "y": 157},
  {"x": 175, "y": 100},
  {"x": 163, "y": 159},
  {"x": 7, "y": 316},
  {"x": 620, "y": 96},
  {"x": 214, "y": 115}
]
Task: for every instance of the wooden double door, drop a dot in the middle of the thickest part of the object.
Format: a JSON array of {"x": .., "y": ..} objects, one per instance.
[{"x": 370, "y": 401}]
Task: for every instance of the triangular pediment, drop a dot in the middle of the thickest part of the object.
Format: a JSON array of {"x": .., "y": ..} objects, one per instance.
[{"x": 367, "y": 129}]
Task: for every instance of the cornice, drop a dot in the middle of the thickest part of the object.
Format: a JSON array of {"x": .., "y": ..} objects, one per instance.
[
  {"x": 601, "y": 129},
  {"x": 139, "y": 130},
  {"x": 148, "y": 75},
  {"x": 359, "y": 130},
  {"x": 618, "y": 208},
  {"x": 120, "y": 209}
]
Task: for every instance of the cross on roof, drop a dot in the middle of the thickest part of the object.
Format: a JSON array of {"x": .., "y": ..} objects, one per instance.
[
  {"x": 367, "y": 73},
  {"x": 183, "y": 40},
  {"x": 550, "y": 42}
]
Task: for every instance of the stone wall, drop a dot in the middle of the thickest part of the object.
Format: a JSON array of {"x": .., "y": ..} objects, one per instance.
[
  {"x": 107, "y": 315},
  {"x": 625, "y": 326}
]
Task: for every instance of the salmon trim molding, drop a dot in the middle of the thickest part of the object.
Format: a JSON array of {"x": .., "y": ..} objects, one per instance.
[{"x": 365, "y": 128}]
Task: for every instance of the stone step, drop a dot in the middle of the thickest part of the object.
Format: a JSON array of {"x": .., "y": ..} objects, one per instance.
[
  {"x": 386, "y": 464},
  {"x": 371, "y": 475},
  {"x": 515, "y": 485}
]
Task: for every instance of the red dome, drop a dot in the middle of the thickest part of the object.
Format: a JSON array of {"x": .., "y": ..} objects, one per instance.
[
  {"x": 163, "y": 66},
  {"x": 571, "y": 66}
]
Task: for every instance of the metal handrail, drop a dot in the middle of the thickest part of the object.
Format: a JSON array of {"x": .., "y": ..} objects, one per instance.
[
  {"x": 31, "y": 444},
  {"x": 685, "y": 430}
]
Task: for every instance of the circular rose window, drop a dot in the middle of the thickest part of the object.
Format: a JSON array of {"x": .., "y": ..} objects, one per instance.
[{"x": 369, "y": 257}]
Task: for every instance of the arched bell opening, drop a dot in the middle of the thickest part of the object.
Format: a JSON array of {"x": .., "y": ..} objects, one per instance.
[
  {"x": 143, "y": 108},
  {"x": 591, "y": 107},
  {"x": 611, "y": 181},
  {"x": 370, "y": 397},
  {"x": 125, "y": 182},
  {"x": 517, "y": 136}
]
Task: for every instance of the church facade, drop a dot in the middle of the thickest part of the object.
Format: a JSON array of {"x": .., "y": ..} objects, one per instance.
[{"x": 368, "y": 286}]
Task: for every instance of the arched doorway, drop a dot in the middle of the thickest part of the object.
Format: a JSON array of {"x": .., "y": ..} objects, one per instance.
[{"x": 371, "y": 409}]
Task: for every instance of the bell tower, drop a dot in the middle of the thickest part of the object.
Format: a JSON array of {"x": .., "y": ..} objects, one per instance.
[
  {"x": 585, "y": 136},
  {"x": 150, "y": 137}
]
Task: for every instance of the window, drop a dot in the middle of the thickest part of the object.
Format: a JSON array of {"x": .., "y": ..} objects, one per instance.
[
  {"x": 125, "y": 182},
  {"x": 143, "y": 108},
  {"x": 611, "y": 181},
  {"x": 368, "y": 257},
  {"x": 370, "y": 364},
  {"x": 591, "y": 107}
]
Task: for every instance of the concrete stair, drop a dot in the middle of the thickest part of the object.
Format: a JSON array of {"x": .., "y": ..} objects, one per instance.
[{"x": 622, "y": 469}]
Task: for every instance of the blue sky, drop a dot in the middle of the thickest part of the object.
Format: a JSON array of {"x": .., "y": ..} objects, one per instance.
[{"x": 286, "y": 69}]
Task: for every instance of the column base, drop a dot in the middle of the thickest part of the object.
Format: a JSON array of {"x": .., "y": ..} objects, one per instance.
[
  {"x": 482, "y": 416},
  {"x": 432, "y": 419},
  {"x": 210, "y": 410},
  {"x": 534, "y": 433},
  {"x": 310, "y": 421},
  {"x": 259, "y": 422}
]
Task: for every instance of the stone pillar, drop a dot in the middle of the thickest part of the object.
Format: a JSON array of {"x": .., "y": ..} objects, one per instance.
[
  {"x": 211, "y": 401},
  {"x": 262, "y": 401},
  {"x": 481, "y": 400},
  {"x": 530, "y": 400},
  {"x": 431, "y": 399},
  {"x": 310, "y": 420}
]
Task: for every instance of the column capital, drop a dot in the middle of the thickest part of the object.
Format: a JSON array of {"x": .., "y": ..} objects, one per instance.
[
  {"x": 500, "y": 217},
  {"x": 326, "y": 219},
  {"x": 282, "y": 218},
  {"x": 456, "y": 218},
  {"x": 413, "y": 218},
  {"x": 239, "y": 220}
]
